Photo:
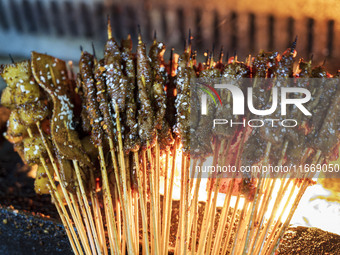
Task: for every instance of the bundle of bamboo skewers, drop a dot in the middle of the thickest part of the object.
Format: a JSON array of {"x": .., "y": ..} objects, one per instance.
[{"x": 128, "y": 115}]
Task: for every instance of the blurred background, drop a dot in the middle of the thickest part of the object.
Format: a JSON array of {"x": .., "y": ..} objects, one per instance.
[{"x": 59, "y": 27}]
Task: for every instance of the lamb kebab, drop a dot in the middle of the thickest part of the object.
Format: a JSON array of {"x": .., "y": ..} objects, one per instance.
[
  {"x": 255, "y": 145},
  {"x": 131, "y": 138},
  {"x": 146, "y": 116},
  {"x": 184, "y": 77},
  {"x": 158, "y": 95},
  {"x": 325, "y": 133},
  {"x": 296, "y": 136}
]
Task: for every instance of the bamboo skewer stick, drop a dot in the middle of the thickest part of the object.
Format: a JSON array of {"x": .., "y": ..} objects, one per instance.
[
  {"x": 237, "y": 162},
  {"x": 153, "y": 213},
  {"x": 278, "y": 220},
  {"x": 240, "y": 219},
  {"x": 130, "y": 204},
  {"x": 236, "y": 243},
  {"x": 157, "y": 180},
  {"x": 59, "y": 199},
  {"x": 97, "y": 213},
  {"x": 154, "y": 163},
  {"x": 205, "y": 223},
  {"x": 142, "y": 205},
  {"x": 264, "y": 247},
  {"x": 226, "y": 205},
  {"x": 126, "y": 201},
  {"x": 165, "y": 192},
  {"x": 84, "y": 239},
  {"x": 252, "y": 217},
  {"x": 316, "y": 157},
  {"x": 240, "y": 149},
  {"x": 219, "y": 160},
  {"x": 145, "y": 188},
  {"x": 63, "y": 220},
  {"x": 114, "y": 247},
  {"x": 241, "y": 226},
  {"x": 265, "y": 197},
  {"x": 223, "y": 219},
  {"x": 275, "y": 242},
  {"x": 245, "y": 228},
  {"x": 192, "y": 175},
  {"x": 65, "y": 213},
  {"x": 257, "y": 214},
  {"x": 184, "y": 241},
  {"x": 196, "y": 178},
  {"x": 55, "y": 188},
  {"x": 187, "y": 208},
  {"x": 110, "y": 219},
  {"x": 83, "y": 215},
  {"x": 136, "y": 214},
  {"x": 282, "y": 190},
  {"x": 180, "y": 216},
  {"x": 209, "y": 209},
  {"x": 271, "y": 218},
  {"x": 212, "y": 215},
  {"x": 109, "y": 215},
  {"x": 132, "y": 207},
  {"x": 306, "y": 153},
  {"x": 231, "y": 225},
  {"x": 145, "y": 179},
  {"x": 168, "y": 210},
  {"x": 283, "y": 153},
  {"x": 179, "y": 235},
  {"x": 118, "y": 212},
  {"x": 194, "y": 209},
  {"x": 304, "y": 185},
  {"x": 257, "y": 220},
  {"x": 87, "y": 207},
  {"x": 264, "y": 206},
  {"x": 76, "y": 220},
  {"x": 251, "y": 220},
  {"x": 194, "y": 212},
  {"x": 124, "y": 243},
  {"x": 118, "y": 188}
]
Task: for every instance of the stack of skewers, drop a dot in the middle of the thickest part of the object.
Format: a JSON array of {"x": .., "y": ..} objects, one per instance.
[{"x": 110, "y": 141}]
